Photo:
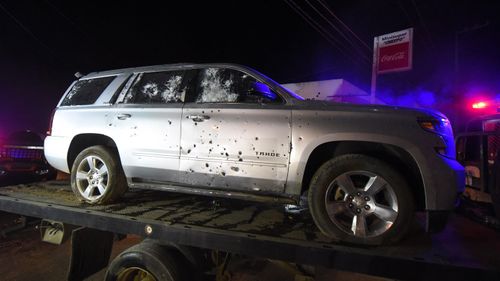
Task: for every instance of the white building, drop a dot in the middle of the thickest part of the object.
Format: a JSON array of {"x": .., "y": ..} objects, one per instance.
[{"x": 337, "y": 90}]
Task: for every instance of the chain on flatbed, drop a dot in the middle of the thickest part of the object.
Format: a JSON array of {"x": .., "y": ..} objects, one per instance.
[{"x": 264, "y": 230}]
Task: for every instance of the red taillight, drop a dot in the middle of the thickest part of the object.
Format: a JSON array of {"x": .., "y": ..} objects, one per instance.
[{"x": 49, "y": 130}]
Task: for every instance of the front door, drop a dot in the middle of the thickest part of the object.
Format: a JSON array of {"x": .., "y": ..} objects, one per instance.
[{"x": 233, "y": 138}]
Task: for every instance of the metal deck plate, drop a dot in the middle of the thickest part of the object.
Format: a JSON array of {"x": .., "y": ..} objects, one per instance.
[{"x": 262, "y": 230}]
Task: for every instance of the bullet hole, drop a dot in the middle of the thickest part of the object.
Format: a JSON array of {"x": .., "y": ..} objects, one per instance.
[
  {"x": 206, "y": 165},
  {"x": 256, "y": 138},
  {"x": 209, "y": 150},
  {"x": 222, "y": 153},
  {"x": 239, "y": 153},
  {"x": 227, "y": 154},
  {"x": 224, "y": 148},
  {"x": 300, "y": 138},
  {"x": 211, "y": 111},
  {"x": 223, "y": 174},
  {"x": 203, "y": 111},
  {"x": 253, "y": 148},
  {"x": 282, "y": 145},
  {"x": 189, "y": 151},
  {"x": 110, "y": 124},
  {"x": 196, "y": 124},
  {"x": 169, "y": 122},
  {"x": 236, "y": 169},
  {"x": 241, "y": 159},
  {"x": 210, "y": 141},
  {"x": 210, "y": 170},
  {"x": 194, "y": 145},
  {"x": 218, "y": 110}
]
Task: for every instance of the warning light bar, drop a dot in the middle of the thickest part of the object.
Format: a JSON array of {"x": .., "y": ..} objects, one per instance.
[{"x": 479, "y": 105}]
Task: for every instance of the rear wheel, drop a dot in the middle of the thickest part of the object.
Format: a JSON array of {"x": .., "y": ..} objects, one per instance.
[
  {"x": 146, "y": 262},
  {"x": 360, "y": 199},
  {"x": 97, "y": 176}
]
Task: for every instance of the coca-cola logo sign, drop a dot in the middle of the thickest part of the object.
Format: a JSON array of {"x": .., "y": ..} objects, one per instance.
[{"x": 395, "y": 57}]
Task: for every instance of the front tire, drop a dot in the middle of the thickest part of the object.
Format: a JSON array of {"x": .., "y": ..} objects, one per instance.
[
  {"x": 97, "y": 176},
  {"x": 359, "y": 199}
]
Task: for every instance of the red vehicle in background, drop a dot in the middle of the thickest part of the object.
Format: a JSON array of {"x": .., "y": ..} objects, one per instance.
[{"x": 22, "y": 159}]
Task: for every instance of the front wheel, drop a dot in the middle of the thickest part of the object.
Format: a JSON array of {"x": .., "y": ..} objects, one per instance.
[
  {"x": 359, "y": 199},
  {"x": 97, "y": 176}
]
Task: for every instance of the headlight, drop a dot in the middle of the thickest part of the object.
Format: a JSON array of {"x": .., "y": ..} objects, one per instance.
[{"x": 439, "y": 126}]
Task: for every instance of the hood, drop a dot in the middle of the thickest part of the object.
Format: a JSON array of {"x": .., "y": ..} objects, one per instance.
[{"x": 367, "y": 108}]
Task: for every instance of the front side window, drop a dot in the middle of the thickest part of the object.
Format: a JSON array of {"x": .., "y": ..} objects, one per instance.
[
  {"x": 159, "y": 88},
  {"x": 86, "y": 91},
  {"x": 220, "y": 85}
]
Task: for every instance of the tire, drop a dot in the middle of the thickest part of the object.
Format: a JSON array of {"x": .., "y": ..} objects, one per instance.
[
  {"x": 102, "y": 181},
  {"x": 359, "y": 199},
  {"x": 146, "y": 261}
]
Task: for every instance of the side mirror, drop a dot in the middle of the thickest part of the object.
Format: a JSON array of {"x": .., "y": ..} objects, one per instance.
[{"x": 262, "y": 90}]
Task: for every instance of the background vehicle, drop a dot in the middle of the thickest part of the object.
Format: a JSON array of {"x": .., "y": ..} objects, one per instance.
[
  {"x": 22, "y": 159},
  {"x": 478, "y": 150},
  {"x": 227, "y": 130}
]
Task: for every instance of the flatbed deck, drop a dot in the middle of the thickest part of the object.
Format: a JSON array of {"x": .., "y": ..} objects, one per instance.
[{"x": 464, "y": 250}]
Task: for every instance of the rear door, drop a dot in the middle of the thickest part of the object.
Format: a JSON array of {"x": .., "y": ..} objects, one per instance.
[
  {"x": 146, "y": 125},
  {"x": 232, "y": 138}
]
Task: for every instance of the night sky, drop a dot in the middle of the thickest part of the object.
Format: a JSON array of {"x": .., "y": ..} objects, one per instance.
[{"x": 43, "y": 43}]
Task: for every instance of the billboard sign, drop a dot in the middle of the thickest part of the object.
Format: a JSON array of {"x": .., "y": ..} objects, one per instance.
[{"x": 393, "y": 51}]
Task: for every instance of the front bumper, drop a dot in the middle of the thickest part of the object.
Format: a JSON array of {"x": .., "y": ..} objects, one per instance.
[
  {"x": 24, "y": 168},
  {"x": 443, "y": 179}
]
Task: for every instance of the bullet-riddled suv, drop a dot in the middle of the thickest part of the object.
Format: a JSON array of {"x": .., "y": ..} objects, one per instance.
[{"x": 227, "y": 130}]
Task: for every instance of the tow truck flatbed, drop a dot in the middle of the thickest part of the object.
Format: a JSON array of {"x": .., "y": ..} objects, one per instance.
[{"x": 464, "y": 250}]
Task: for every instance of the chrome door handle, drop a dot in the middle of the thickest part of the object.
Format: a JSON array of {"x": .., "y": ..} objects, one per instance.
[
  {"x": 198, "y": 118},
  {"x": 123, "y": 116}
]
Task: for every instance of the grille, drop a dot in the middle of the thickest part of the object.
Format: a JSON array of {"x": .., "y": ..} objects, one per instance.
[{"x": 22, "y": 153}]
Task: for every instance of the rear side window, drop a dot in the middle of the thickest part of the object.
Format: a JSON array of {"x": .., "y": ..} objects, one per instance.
[
  {"x": 86, "y": 91},
  {"x": 160, "y": 87}
]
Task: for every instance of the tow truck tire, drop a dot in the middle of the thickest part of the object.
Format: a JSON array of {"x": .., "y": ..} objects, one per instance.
[
  {"x": 359, "y": 199},
  {"x": 97, "y": 176},
  {"x": 146, "y": 261}
]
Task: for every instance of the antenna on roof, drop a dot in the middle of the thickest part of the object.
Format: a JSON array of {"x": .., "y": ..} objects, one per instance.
[{"x": 79, "y": 75}]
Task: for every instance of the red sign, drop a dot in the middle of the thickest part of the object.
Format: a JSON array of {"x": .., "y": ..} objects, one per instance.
[
  {"x": 394, "y": 57},
  {"x": 394, "y": 51}
]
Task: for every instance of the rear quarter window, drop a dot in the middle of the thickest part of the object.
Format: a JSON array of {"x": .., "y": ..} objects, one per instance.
[{"x": 86, "y": 91}]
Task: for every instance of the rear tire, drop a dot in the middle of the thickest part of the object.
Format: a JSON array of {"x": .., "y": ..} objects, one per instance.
[
  {"x": 359, "y": 199},
  {"x": 146, "y": 261},
  {"x": 97, "y": 176}
]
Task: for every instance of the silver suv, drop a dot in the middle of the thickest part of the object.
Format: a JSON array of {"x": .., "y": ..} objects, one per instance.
[{"x": 227, "y": 130}]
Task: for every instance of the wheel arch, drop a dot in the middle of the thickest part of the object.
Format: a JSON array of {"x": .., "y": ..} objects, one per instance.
[
  {"x": 397, "y": 157},
  {"x": 83, "y": 141}
]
